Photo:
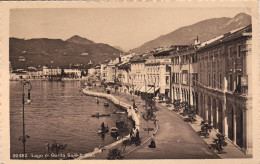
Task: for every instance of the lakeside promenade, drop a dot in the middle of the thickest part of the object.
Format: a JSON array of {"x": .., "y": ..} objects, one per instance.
[{"x": 175, "y": 139}]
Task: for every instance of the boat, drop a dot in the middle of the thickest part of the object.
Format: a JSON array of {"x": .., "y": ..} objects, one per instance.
[
  {"x": 118, "y": 112},
  {"x": 106, "y": 104},
  {"x": 97, "y": 101},
  {"x": 114, "y": 132},
  {"x": 100, "y": 115},
  {"x": 106, "y": 130}
]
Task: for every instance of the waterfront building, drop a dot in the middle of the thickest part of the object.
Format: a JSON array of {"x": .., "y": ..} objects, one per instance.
[
  {"x": 215, "y": 76},
  {"x": 72, "y": 72},
  {"x": 111, "y": 70},
  {"x": 91, "y": 71},
  {"x": 138, "y": 73},
  {"x": 184, "y": 75},
  {"x": 158, "y": 75},
  {"x": 123, "y": 76},
  {"x": 103, "y": 71},
  {"x": 225, "y": 96},
  {"x": 47, "y": 72}
]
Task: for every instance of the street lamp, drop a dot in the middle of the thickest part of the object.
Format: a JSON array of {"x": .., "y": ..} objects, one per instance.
[{"x": 28, "y": 101}]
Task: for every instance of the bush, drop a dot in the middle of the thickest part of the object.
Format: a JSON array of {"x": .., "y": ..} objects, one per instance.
[{"x": 114, "y": 154}]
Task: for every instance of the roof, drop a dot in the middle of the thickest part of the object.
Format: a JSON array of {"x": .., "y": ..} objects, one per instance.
[
  {"x": 228, "y": 36},
  {"x": 139, "y": 59}
]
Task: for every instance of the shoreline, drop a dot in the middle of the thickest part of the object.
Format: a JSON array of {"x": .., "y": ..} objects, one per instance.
[{"x": 130, "y": 113}]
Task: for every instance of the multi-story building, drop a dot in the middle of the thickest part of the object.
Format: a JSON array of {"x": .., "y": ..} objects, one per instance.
[
  {"x": 103, "y": 71},
  {"x": 138, "y": 73},
  {"x": 158, "y": 75},
  {"x": 184, "y": 75},
  {"x": 225, "y": 98},
  {"x": 123, "y": 76},
  {"x": 47, "y": 72},
  {"x": 72, "y": 72},
  {"x": 216, "y": 78}
]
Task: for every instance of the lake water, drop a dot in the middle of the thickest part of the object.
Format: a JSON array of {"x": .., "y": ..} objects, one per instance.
[{"x": 58, "y": 112}]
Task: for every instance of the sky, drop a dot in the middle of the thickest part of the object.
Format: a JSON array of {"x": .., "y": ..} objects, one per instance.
[{"x": 125, "y": 27}]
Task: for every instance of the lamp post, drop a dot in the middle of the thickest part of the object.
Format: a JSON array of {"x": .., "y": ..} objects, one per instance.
[{"x": 28, "y": 101}]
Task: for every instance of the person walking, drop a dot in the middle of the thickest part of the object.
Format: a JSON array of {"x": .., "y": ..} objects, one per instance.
[
  {"x": 152, "y": 144},
  {"x": 137, "y": 138},
  {"x": 131, "y": 133}
]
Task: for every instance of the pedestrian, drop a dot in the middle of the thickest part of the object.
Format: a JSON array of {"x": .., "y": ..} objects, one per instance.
[
  {"x": 103, "y": 126},
  {"x": 152, "y": 144},
  {"x": 155, "y": 122},
  {"x": 134, "y": 124},
  {"x": 137, "y": 135},
  {"x": 131, "y": 133}
]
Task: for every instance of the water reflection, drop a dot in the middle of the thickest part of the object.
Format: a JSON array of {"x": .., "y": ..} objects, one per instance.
[{"x": 58, "y": 112}]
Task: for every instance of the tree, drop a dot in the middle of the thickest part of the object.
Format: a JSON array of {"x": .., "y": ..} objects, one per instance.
[
  {"x": 150, "y": 109},
  {"x": 123, "y": 128},
  {"x": 219, "y": 143},
  {"x": 114, "y": 154}
]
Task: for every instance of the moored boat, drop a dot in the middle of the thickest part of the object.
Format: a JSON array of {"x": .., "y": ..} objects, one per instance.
[
  {"x": 114, "y": 132},
  {"x": 106, "y": 104},
  {"x": 100, "y": 115},
  {"x": 105, "y": 130}
]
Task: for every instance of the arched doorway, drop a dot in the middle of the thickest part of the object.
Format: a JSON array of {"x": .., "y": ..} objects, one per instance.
[
  {"x": 193, "y": 98},
  {"x": 239, "y": 127},
  {"x": 209, "y": 111},
  {"x": 178, "y": 93},
  {"x": 182, "y": 95},
  {"x": 187, "y": 96},
  {"x": 230, "y": 122},
  {"x": 220, "y": 117},
  {"x": 214, "y": 113},
  {"x": 202, "y": 113},
  {"x": 196, "y": 101}
]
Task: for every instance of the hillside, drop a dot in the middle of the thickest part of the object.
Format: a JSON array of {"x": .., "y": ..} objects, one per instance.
[
  {"x": 56, "y": 52},
  {"x": 206, "y": 30}
]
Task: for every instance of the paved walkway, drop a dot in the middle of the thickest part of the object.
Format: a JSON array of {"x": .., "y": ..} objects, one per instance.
[
  {"x": 175, "y": 140},
  {"x": 231, "y": 150}
]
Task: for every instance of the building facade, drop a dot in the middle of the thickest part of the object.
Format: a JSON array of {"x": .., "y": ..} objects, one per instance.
[{"x": 216, "y": 78}]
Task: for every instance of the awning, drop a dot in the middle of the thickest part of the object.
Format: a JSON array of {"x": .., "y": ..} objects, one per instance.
[
  {"x": 152, "y": 90},
  {"x": 147, "y": 89},
  {"x": 144, "y": 89},
  {"x": 137, "y": 88}
]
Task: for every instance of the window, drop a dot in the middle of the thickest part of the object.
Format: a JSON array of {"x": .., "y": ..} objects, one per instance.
[
  {"x": 209, "y": 80},
  {"x": 238, "y": 84},
  {"x": 220, "y": 54},
  {"x": 220, "y": 81},
  {"x": 230, "y": 83},
  {"x": 215, "y": 55},
  {"x": 239, "y": 51},
  {"x": 167, "y": 80},
  {"x": 230, "y": 52},
  {"x": 214, "y": 80}
]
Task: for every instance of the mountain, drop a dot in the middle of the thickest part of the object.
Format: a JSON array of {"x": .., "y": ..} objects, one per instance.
[
  {"x": 119, "y": 48},
  {"x": 205, "y": 30},
  {"x": 79, "y": 40},
  {"x": 56, "y": 52}
]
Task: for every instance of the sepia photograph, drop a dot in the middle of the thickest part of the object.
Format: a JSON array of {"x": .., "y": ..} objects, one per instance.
[{"x": 130, "y": 83}]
